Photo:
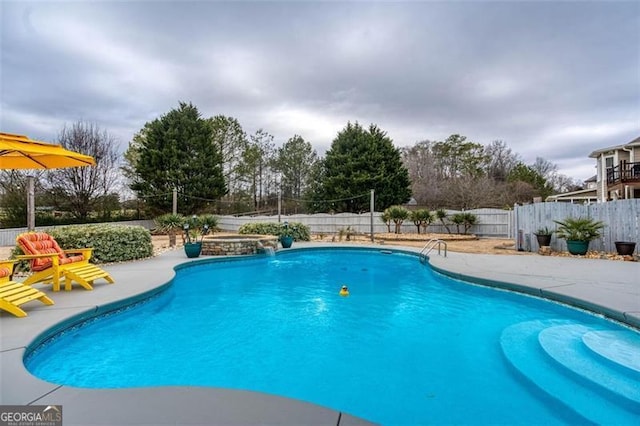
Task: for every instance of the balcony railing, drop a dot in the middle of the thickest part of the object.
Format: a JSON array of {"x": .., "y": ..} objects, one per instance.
[{"x": 624, "y": 172}]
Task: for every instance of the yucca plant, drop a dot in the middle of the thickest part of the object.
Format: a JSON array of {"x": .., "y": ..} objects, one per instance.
[
  {"x": 170, "y": 223},
  {"x": 386, "y": 218},
  {"x": 211, "y": 221},
  {"x": 544, "y": 231},
  {"x": 579, "y": 229},
  {"x": 421, "y": 218},
  {"x": 467, "y": 220},
  {"x": 443, "y": 217},
  {"x": 398, "y": 214}
]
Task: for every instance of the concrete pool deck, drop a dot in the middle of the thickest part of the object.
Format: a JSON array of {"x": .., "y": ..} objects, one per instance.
[{"x": 608, "y": 287}]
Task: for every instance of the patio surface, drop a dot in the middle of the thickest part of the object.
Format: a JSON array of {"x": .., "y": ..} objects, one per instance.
[{"x": 608, "y": 287}]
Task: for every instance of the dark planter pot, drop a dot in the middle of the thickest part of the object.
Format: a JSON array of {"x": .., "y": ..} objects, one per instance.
[
  {"x": 286, "y": 241},
  {"x": 625, "y": 248},
  {"x": 578, "y": 247},
  {"x": 192, "y": 249},
  {"x": 543, "y": 240}
]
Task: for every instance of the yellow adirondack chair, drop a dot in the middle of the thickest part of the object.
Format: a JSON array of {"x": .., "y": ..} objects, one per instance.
[
  {"x": 49, "y": 263},
  {"x": 13, "y": 294}
]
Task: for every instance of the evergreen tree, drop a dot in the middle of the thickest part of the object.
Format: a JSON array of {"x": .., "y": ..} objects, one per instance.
[
  {"x": 177, "y": 152},
  {"x": 294, "y": 161},
  {"x": 527, "y": 174},
  {"x": 360, "y": 160}
]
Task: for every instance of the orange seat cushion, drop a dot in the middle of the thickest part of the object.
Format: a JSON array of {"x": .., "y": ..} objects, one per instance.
[
  {"x": 4, "y": 272},
  {"x": 43, "y": 243}
]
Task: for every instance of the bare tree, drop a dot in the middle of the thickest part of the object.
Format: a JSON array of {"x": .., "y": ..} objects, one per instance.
[
  {"x": 500, "y": 160},
  {"x": 544, "y": 167},
  {"x": 562, "y": 183},
  {"x": 426, "y": 186},
  {"x": 257, "y": 167},
  {"x": 557, "y": 181},
  {"x": 79, "y": 189}
]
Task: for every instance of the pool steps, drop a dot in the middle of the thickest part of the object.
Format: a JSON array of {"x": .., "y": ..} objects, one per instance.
[
  {"x": 564, "y": 344},
  {"x": 570, "y": 371},
  {"x": 619, "y": 347}
]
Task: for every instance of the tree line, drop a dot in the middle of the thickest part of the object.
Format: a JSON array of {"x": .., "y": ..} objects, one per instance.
[
  {"x": 215, "y": 167},
  {"x": 460, "y": 174}
]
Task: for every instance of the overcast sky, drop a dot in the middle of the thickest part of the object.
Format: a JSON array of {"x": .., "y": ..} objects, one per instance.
[{"x": 551, "y": 79}]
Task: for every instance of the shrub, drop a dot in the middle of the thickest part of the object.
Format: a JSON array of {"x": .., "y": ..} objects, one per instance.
[
  {"x": 299, "y": 231},
  {"x": 111, "y": 243},
  {"x": 260, "y": 228}
]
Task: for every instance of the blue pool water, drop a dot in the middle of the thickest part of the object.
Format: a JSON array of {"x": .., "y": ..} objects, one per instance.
[{"x": 407, "y": 346}]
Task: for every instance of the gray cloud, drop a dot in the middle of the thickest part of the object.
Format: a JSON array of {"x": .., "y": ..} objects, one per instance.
[{"x": 555, "y": 80}]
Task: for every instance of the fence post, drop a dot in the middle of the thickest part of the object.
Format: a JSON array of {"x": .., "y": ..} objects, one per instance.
[
  {"x": 31, "y": 204},
  {"x": 174, "y": 209},
  {"x": 279, "y": 201},
  {"x": 371, "y": 208}
]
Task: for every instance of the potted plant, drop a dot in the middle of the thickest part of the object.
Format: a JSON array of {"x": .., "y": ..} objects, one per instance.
[
  {"x": 625, "y": 248},
  {"x": 543, "y": 235},
  {"x": 578, "y": 232},
  {"x": 286, "y": 235},
  {"x": 194, "y": 229}
]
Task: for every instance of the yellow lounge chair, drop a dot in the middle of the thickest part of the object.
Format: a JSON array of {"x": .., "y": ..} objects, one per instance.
[
  {"x": 49, "y": 263},
  {"x": 13, "y": 294}
]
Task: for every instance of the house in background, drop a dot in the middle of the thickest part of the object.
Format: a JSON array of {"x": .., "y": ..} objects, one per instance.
[
  {"x": 618, "y": 171},
  {"x": 617, "y": 178},
  {"x": 582, "y": 196}
]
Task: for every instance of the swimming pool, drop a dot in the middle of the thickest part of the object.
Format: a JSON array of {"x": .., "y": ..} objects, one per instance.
[{"x": 407, "y": 346}]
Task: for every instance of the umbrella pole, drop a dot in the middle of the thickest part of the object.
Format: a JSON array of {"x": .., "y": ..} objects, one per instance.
[{"x": 31, "y": 204}]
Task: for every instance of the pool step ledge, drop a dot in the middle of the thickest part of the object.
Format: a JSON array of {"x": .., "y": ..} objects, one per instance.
[
  {"x": 620, "y": 348},
  {"x": 564, "y": 344},
  {"x": 520, "y": 342}
]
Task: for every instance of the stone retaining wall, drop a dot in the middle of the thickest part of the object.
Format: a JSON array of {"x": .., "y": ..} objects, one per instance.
[{"x": 237, "y": 246}]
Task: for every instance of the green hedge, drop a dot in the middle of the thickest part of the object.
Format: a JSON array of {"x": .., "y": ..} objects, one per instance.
[
  {"x": 110, "y": 243},
  {"x": 300, "y": 231}
]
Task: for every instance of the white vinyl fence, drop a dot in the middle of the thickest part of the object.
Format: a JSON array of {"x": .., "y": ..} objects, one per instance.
[
  {"x": 491, "y": 223},
  {"x": 621, "y": 219}
]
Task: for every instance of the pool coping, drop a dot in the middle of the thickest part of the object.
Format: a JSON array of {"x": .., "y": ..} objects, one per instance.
[{"x": 606, "y": 287}]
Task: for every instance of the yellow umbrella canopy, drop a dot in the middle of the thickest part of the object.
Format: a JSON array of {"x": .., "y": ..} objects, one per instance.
[{"x": 20, "y": 152}]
